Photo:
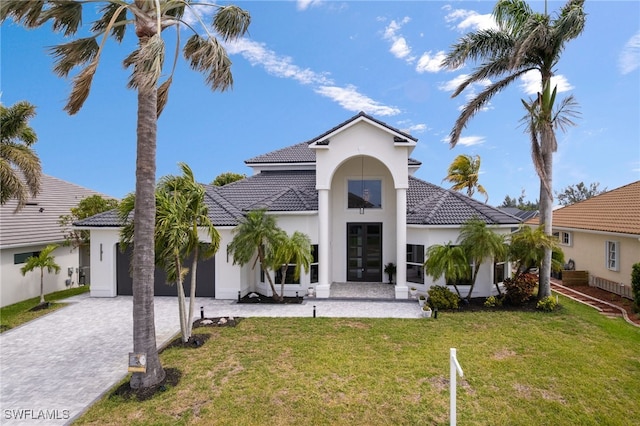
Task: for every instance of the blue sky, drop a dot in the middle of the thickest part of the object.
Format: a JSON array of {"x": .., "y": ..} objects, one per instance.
[{"x": 307, "y": 66}]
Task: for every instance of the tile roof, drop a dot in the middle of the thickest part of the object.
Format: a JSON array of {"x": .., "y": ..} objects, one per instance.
[
  {"x": 429, "y": 204},
  {"x": 615, "y": 211},
  {"x": 294, "y": 191},
  {"x": 301, "y": 153},
  {"x": 298, "y": 153},
  {"x": 37, "y": 223}
]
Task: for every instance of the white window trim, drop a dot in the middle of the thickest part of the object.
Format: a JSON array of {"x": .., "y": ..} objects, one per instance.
[
  {"x": 612, "y": 263},
  {"x": 561, "y": 237}
]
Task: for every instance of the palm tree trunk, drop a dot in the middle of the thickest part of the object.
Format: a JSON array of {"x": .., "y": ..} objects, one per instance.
[
  {"x": 192, "y": 291},
  {"x": 546, "y": 220},
  {"x": 181, "y": 299},
  {"x": 284, "y": 278},
  {"x": 144, "y": 333},
  {"x": 276, "y": 296},
  {"x": 41, "y": 285},
  {"x": 473, "y": 281}
]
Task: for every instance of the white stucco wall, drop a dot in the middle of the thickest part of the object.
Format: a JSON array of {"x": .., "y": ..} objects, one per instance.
[
  {"x": 421, "y": 235},
  {"x": 588, "y": 251},
  {"x": 103, "y": 261},
  {"x": 16, "y": 288}
]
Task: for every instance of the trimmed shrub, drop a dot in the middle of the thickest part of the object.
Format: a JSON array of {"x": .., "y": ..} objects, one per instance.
[
  {"x": 442, "y": 298},
  {"x": 548, "y": 304},
  {"x": 493, "y": 302},
  {"x": 520, "y": 289},
  {"x": 635, "y": 286}
]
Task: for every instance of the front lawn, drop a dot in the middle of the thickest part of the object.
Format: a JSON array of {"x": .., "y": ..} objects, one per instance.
[
  {"x": 19, "y": 313},
  {"x": 573, "y": 366}
]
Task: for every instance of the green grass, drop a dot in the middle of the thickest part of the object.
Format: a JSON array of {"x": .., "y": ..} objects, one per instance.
[
  {"x": 573, "y": 366},
  {"x": 19, "y": 313}
]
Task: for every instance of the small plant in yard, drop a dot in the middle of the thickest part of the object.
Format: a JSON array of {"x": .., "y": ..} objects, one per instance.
[
  {"x": 520, "y": 288},
  {"x": 635, "y": 286},
  {"x": 442, "y": 298},
  {"x": 390, "y": 270},
  {"x": 547, "y": 304},
  {"x": 493, "y": 302}
]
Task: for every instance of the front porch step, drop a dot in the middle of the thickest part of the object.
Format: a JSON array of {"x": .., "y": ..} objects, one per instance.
[{"x": 358, "y": 290}]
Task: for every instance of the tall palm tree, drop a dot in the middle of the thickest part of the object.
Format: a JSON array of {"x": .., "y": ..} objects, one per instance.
[
  {"x": 148, "y": 18},
  {"x": 256, "y": 233},
  {"x": 448, "y": 260},
  {"x": 525, "y": 41},
  {"x": 17, "y": 158},
  {"x": 44, "y": 260},
  {"x": 294, "y": 250},
  {"x": 463, "y": 174},
  {"x": 480, "y": 243}
]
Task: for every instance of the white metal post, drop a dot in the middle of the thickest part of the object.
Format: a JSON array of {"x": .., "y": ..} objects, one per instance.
[{"x": 454, "y": 367}]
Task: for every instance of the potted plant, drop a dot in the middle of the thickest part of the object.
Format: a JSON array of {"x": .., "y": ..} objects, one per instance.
[
  {"x": 413, "y": 291},
  {"x": 426, "y": 311},
  {"x": 422, "y": 299},
  {"x": 390, "y": 270}
]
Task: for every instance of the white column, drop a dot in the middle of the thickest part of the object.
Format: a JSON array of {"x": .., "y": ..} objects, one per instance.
[
  {"x": 401, "y": 244},
  {"x": 324, "y": 284}
]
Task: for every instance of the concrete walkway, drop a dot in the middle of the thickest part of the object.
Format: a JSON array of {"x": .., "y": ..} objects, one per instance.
[{"x": 52, "y": 369}]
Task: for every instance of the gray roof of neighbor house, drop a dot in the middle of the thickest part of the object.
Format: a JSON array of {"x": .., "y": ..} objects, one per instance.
[
  {"x": 294, "y": 191},
  {"x": 523, "y": 215},
  {"x": 38, "y": 222}
]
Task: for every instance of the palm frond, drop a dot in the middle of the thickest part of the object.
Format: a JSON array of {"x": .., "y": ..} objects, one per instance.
[
  {"x": 475, "y": 46},
  {"x": 14, "y": 123},
  {"x": 231, "y": 22},
  {"x": 72, "y": 54},
  {"x": 208, "y": 56},
  {"x": 25, "y": 12},
  {"x": 147, "y": 63},
  {"x": 571, "y": 21},
  {"x": 477, "y": 103},
  {"x": 66, "y": 16},
  {"x": 81, "y": 88},
  {"x": 163, "y": 95},
  {"x": 117, "y": 27},
  {"x": 510, "y": 15}
]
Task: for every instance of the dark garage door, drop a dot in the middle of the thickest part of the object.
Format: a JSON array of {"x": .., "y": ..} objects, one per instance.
[{"x": 205, "y": 284}]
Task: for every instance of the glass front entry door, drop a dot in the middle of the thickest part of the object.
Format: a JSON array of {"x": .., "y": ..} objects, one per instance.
[{"x": 364, "y": 252}]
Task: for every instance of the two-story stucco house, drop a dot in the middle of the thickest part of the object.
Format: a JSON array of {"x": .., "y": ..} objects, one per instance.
[{"x": 352, "y": 190}]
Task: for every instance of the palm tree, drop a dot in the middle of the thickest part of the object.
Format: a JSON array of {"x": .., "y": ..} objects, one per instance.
[
  {"x": 463, "y": 174},
  {"x": 525, "y": 41},
  {"x": 181, "y": 221},
  {"x": 480, "y": 243},
  {"x": 448, "y": 260},
  {"x": 527, "y": 246},
  {"x": 257, "y": 232},
  {"x": 148, "y": 18},
  {"x": 18, "y": 161},
  {"x": 294, "y": 250},
  {"x": 182, "y": 213},
  {"x": 44, "y": 260}
]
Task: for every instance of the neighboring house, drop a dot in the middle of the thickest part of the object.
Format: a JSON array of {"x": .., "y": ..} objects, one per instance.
[
  {"x": 601, "y": 235},
  {"x": 523, "y": 215},
  {"x": 28, "y": 231},
  {"x": 351, "y": 190}
]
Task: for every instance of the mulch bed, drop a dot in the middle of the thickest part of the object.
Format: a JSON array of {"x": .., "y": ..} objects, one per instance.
[
  {"x": 40, "y": 307},
  {"x": 622, "y": 302},
  {"x": 261, "y": 298},
  {"x": 172, "y": 378}
]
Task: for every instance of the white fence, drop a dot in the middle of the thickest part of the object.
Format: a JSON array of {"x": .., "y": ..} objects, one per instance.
[{"x": 611, "y": 286}]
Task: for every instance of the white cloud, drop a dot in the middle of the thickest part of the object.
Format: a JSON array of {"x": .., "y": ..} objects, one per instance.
[
  {"x": 629, "y": 59},
  {"x": 468, "y": 20},
  {"x": 430, "y": 63},
  {"x": 471, "y": 140},
  {"x": 305, "y": 4},
  {"x": 467, "y": 140},
  {"x": 451, "y": 85},
  {"x": 350, "y": 99},
  {"x": 278, "y": 66},
  {"x": 531, "y": 83},
  {"x": 399, "y": 46}
]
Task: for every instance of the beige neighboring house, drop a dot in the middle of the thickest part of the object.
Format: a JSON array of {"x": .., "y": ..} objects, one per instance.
[
  {"x": 28, "y": 231},
  {"x": 601, "y": 235}
]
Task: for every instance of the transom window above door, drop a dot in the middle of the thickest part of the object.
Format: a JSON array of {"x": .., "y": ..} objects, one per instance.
[{"x": 364, "y": 193}]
